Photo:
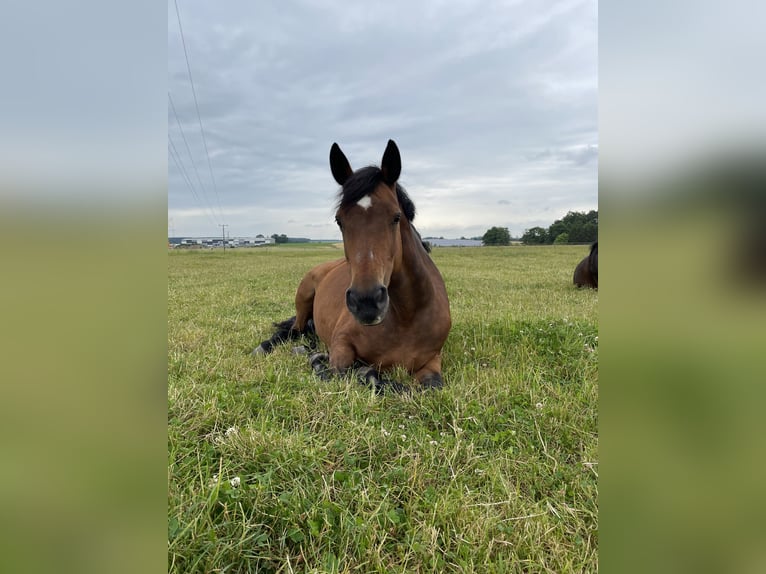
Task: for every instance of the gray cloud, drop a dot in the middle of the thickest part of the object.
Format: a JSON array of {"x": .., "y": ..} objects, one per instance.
[{"x": 488, "y": 104}]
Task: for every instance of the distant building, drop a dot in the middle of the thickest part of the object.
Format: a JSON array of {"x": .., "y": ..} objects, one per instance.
[{"x": 212, "y": 242}]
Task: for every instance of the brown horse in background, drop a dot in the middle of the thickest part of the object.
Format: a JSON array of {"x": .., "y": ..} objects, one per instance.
[
  {"x": 586, "y": 272},
  {"x": 385, "y": 304}
]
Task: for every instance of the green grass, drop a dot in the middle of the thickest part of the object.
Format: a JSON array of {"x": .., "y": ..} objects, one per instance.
[{"x": 497, "y": 472}]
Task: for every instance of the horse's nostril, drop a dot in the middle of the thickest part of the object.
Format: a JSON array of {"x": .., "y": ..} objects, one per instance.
[
  {"x": 381, "y": 294},
  {"x": 368, "y": 306},
  {"x": 351, "y": 299}
]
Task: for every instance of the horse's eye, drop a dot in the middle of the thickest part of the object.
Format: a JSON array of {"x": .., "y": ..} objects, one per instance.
[
  {"x": 337, "y": 220},
  {"x": 397, "y": 217}
]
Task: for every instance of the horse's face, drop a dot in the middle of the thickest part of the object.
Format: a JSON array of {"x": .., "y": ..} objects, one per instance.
[
  {"x": 373, "y": 246},
  {"x": 369, "y": 219}
]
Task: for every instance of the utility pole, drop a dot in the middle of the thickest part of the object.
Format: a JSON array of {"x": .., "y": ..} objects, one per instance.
[{"x": 223, "y": 227}]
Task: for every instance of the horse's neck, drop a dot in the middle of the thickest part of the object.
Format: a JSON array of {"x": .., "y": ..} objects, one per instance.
[{"x": 412, "y": 279}]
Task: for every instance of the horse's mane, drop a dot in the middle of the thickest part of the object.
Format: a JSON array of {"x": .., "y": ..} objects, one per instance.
[{"x": 363, "y": 182}]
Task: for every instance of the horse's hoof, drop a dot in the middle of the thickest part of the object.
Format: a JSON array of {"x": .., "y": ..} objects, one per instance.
[
  {"x": 371, "y": 378},
  {"x": 396, "y": 387},
  {"x": 367, "y": 375},
  {"x": 319, "y": 363},
  {"x": 318, "y": 359},
  {"x": 432, "y": 382}
]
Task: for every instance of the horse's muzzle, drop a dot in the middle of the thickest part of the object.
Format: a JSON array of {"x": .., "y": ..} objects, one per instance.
[{"x": 368, "y": 307}]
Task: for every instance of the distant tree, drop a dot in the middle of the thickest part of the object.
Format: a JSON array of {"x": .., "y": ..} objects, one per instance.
[
  {"x": 561, "y": 238},
  {"x": 581, "y": 227},
  {"x": 557, "y": 228},
  {"x": 535, "y": 236},
  {"x": 588, "y": 233},
  {"x": 279, "y": 238},
  {"x": 497, "y": 236},
  {"x": 259, "y": 235}
]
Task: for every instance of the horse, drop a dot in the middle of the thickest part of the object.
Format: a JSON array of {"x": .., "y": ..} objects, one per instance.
[
  {"x": 384, "y": 305},
  {"x": 586, "y": 272}
]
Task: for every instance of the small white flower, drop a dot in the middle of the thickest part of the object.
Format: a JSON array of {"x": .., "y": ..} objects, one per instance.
[
  {"x": 539, "y": 405},
  {"x": 442, "y": 433},
  {"x": 403, "y": 437},
  {"x": 411, "y": 417},
  {"x": 235, "y": 481},
  {"x": 386, "y": 433},
  {"x": 433, "y": 443},
  {"x": 401, "y": 427},
  {"x": 231, "y": 430}
]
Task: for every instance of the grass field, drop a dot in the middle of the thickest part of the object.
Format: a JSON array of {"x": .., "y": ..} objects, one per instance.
[{"x": 271, "y": 470}]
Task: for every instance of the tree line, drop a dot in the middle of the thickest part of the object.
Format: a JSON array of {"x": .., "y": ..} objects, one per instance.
[{"x": 574, "y": 227}]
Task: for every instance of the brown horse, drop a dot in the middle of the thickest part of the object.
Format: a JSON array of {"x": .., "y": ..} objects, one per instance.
[
  {"x": 385, "y": 304},
  {"x": 586, "y": 272}
]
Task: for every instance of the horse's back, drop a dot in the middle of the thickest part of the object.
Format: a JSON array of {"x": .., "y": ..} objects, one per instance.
[{"x": 317, "y": 274}]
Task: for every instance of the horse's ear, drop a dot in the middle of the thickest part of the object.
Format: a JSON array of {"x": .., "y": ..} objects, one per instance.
[
  {"x": 341, "y": 169},
  {"x": 391, "y": 165}
]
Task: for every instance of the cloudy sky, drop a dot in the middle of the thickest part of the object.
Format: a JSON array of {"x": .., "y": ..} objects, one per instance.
[{"x": 493, "y": 107}]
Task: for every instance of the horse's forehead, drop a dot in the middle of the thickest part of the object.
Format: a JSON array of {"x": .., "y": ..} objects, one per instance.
[
  {"x": 378, "y": 198},
  {"x": 384, "y": 194},
  {"x": 365, "y": 202}
]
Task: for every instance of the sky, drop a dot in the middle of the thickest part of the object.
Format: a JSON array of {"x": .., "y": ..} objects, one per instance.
[{"x": 494, "y": 108}]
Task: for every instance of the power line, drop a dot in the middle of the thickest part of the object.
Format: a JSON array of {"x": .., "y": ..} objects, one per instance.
[
  {"x": 179, "y": 164},
  {"x": 188, "y": 149},
  {"x": 174, "y": 156},
  {"x": 196, "y": 106}
]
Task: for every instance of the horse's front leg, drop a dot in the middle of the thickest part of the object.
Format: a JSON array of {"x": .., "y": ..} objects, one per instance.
[
  {"x": 343, "y": 357},
  {"x": 336, "y": 363},
  {"x": 371, "y": 377},
  {"x": 320, "y": 363},
  {"x": 430, "y": 375}
]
